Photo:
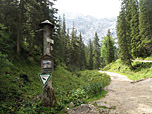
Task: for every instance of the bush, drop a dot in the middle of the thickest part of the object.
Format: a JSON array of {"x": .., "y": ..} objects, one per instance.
[
  {"x": 78, "y": 96},
  {"x": 4, "y": 62},
  {"x": 93, "y": 88},
  {"x": 95, "y": 82}
]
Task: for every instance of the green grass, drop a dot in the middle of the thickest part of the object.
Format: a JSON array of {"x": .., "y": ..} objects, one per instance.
[
  {"x": 99, "y": 96},
  {"x": 141, "y": 69},
  {"x": 18, "y": 94},
  {"x": 146, "y": 58}
]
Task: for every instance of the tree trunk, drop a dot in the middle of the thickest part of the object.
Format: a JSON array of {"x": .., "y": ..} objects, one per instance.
[{"x": 20, "y": 27}]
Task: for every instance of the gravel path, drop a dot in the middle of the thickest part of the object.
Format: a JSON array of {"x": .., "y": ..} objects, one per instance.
[
  {"x": 126, "y": 97},
  {"x": 123, "y": 97},
  {"x": 115, "y": 76}
]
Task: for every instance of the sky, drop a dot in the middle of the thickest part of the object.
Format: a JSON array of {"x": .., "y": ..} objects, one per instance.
[{"x": 96, "y": 8}]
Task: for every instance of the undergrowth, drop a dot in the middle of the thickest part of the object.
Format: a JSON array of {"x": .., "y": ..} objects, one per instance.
[{"x": 20, "y": 87}]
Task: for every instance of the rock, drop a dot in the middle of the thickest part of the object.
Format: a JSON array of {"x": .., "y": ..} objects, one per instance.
[
  {"x": 71, "y": 104},
  {"x": 84, "y": 109},
  {"x": 104, "y": 111},
  {"x": 100, "y": 103}
]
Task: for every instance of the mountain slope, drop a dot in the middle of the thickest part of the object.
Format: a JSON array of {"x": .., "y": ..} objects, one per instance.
[{"x": 88, "y": 25}]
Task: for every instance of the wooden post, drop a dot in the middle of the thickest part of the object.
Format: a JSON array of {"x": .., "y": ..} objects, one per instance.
[{"x": 48, "y": 96}]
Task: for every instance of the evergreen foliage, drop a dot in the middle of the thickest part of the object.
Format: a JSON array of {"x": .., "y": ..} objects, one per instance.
[
  {"x": 145, "y": 26},
  {"x": 90, "y": 54},
  {"x": 124, "y": 36},
  {"x": 82, "y": 59},
  {"x": 137, "y": 17},
  {"x": 69, "y": 47},
  {"x": 96, "y": 52},
  {"x": 22, "y": 19},
  {"x": 134, "y": 25},
  {"x": 108, "y": 49}
]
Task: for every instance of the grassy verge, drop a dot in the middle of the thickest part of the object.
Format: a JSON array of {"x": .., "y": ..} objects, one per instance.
[
  {"x": 147, "y": 58},
  {"x": 141, "y": 70},
  {"x": 97, "y": 97},
  {"x": 20, "y": 85}
]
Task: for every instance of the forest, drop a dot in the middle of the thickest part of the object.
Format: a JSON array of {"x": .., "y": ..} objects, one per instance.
[{"x": 21, "y": 49}]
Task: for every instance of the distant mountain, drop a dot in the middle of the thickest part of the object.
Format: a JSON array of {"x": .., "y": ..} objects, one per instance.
[{"x": 88, "y": 25}]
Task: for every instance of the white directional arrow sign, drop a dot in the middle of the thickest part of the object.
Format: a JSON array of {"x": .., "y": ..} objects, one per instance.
[{"x": 44, "y": 78}]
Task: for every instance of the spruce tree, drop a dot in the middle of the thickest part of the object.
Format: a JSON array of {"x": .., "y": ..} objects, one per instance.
[
  {"x": 145, "y": 26},
  {"x": 96, "y": 52},
  {"x": 68, "y": 48},
  {"x": 74, "y": 48},
  {"x": 9, "y": 11},
  {"x": 82, "y": 58},
  {"x": 134, "y": 25},
  {"x": 108, "y": 49},
  {"x": 58, "y": 47},
  {"x": 123, "y": 37},
  {"x": 90, "y": 54},
  {"x": 64, "y": 37}
]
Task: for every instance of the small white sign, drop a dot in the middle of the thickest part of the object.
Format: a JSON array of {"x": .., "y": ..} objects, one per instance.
[
  {"x": 44, "y": 78},
  {"x": 51, "y": 48},
  {"x": 50, "y": 41}
]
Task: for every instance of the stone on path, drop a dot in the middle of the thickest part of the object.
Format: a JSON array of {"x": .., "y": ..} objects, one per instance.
[{"x": 84, "y": 109}]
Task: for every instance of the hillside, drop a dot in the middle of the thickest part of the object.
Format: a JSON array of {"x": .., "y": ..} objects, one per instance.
[{"x": 20, "y": 87}]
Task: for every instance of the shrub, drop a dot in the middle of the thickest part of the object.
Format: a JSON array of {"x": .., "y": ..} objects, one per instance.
[{"x": 78, "y": 96}]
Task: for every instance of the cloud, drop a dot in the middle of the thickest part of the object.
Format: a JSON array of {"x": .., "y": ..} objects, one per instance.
[{"x": 97, "y": 8}]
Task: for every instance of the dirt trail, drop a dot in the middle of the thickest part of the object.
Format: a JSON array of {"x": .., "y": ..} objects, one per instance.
[
  {"x": 127, "y": 98},
  {"x": 123, "y": 97},
  {"x": 115, "y": 76},
  {"x": 145, "y": 61}
]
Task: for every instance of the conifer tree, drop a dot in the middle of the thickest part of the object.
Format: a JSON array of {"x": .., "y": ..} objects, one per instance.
[
  {"x": 58, "y": 47},
  {"x": 123, "y": 37},
  {"x": 64, "y": 37},
  {"x": 74, "y": 48},
  {"x": 108, "y": 49},
  {"x": 90, "y": 54},
  {"x": 145, "y": 26},
  {"x": 87, "y": 55},
  {"x": 96, "y": 52},
  {"x": 134, "y": 25},
  {"x": 68, "y": 48},
  {"x": 82, "y": 58},
  {"x": 22, "y": 18},
  {"x": 9, "y": 11}
]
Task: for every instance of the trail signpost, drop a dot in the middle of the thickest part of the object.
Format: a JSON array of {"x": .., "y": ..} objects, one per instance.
[{"x": 47, "y": 65}]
